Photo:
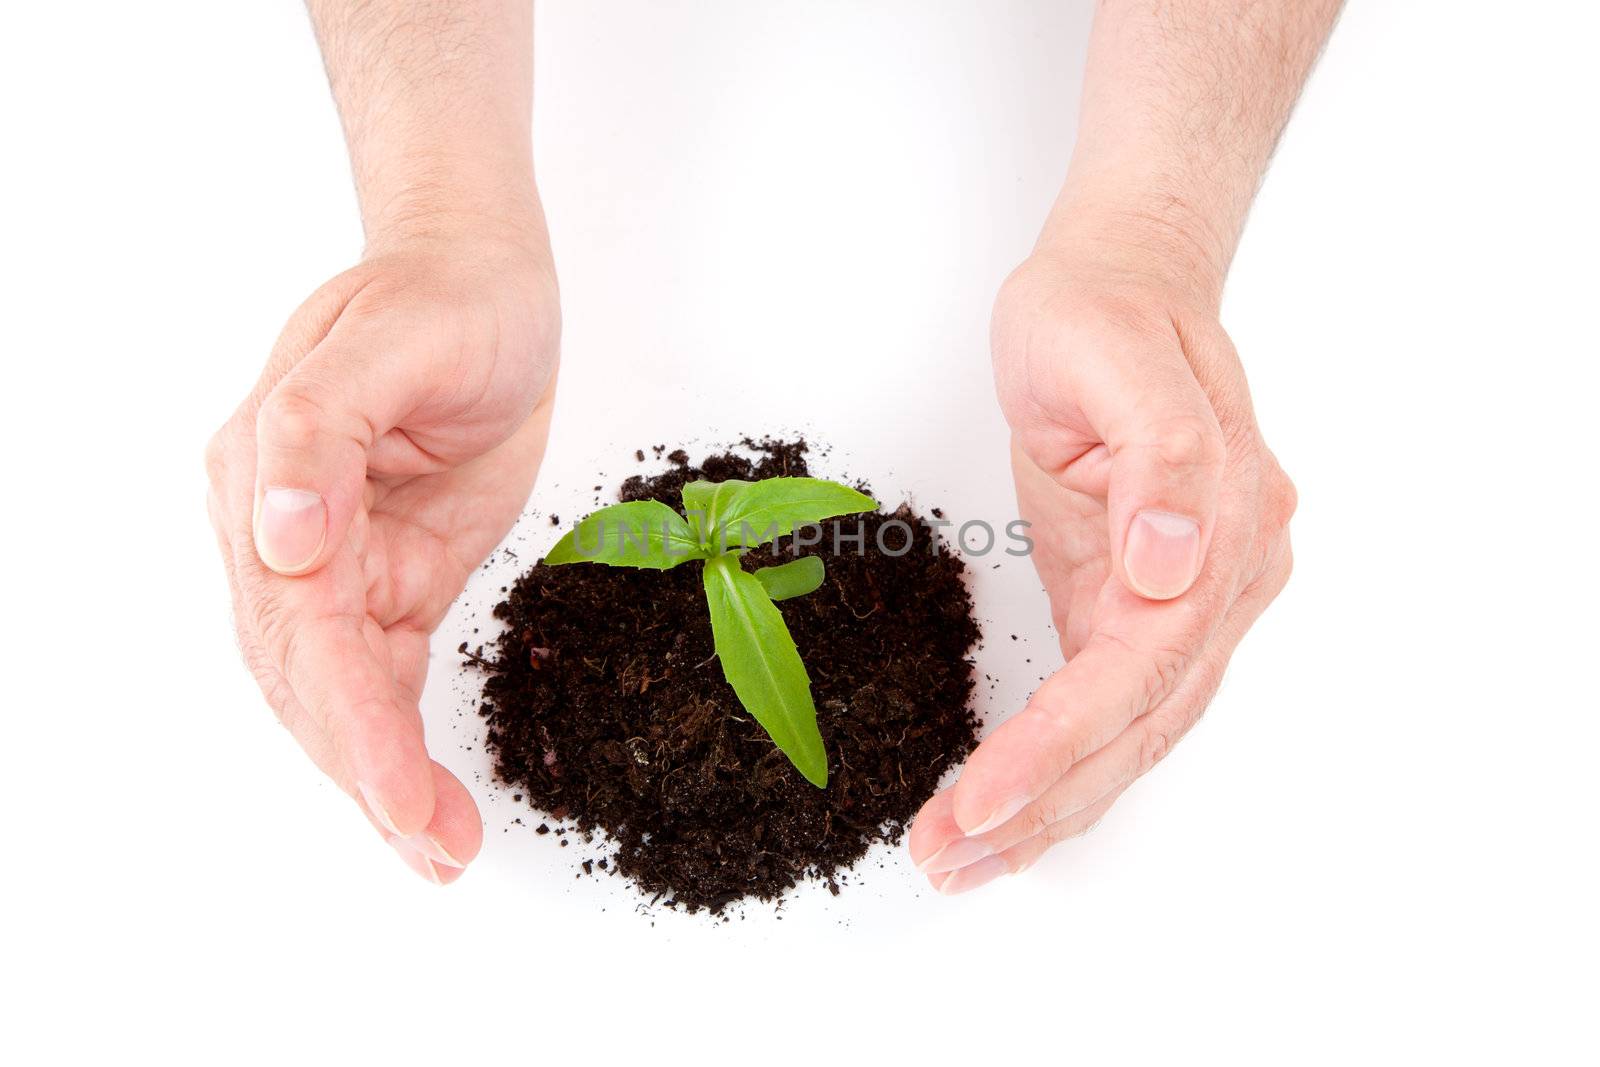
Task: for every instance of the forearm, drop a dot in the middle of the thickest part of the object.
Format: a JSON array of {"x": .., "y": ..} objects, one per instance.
[
  {"x": 1183, "y": 103},
  {"x": 436, "y": 101}
]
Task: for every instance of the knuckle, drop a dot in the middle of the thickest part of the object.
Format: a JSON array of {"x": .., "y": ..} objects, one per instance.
[
  {"x": 287, "y": 641},
  {"x": 272, "y": 626},
  {"x": 1276, "y": 571},
  {"x": 1035, "y": 819},
  {"x": 1053, "y": 812},
  {"x": 280, "y": 698},
  {"x": 1027, "y": 307},
  {"x": 217, "y": 457},
  {"x": 1069, "y": 829},
  {"x": 1167, "y": 666},
  {"x": 282, "y": 703},
  {"x": 289, "y": 420},
  {"x": 1154, "y": 744},
  {"x": 1189, "y": 442},
  {"x": 1076, "y": 740},
  {"x": 1162, "y": 667},
  {"x": 1019, "y": 294},
  {"x": 1162, "y": 729},
  {"x": 1082, "y": 828},
  {"x": 1285, "y": 498},
  {"x": 1207, "y": 681}
]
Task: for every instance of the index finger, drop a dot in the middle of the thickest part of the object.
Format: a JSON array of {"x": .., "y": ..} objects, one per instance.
[
  {"x": 1133, "y": 659},
  {"x": 337, "y": 662},
  {"x": 318, "y": 636}
]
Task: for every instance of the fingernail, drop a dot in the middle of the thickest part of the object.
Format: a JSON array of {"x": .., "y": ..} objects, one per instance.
[
  {"x": 430, "y": 847},
  {"x": 1002, "y": 813},
  {"x": 971, "y": 877},
  {"x": 375, "y": 806},
  {"x": 291, "y": 525},
  {"x": 1162, "y": 554},
  {"x": 957, "y": 854},
  {"x": 414, "y": 859}
]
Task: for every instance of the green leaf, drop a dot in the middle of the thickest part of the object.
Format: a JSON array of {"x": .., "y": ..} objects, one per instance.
[
  {"x": 760, "y": 661},
  {"x": 640, "y": 533},
  {"x": 704, "y": 500},
  {"x": 766, "y": 510},
  {"x": 795, "y": 578}
]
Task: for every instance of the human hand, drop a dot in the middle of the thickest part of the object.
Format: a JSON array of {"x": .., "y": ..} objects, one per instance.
[
  {"x": 389, "y": 445},
  {"x": 1160, "y": 523}
]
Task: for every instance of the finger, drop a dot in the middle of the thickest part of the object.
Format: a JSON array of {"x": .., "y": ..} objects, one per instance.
[
  {"x": 939, "y": 844},
  {"x": 1151, "y": 737},
  {"x": 314, "y": 431},
  {"x": 942, "y": 846},
  {"x": 1127, "y": 667},
  {"x": 451, "y": 840},
  {"x": 456, "y": 826},
  {"x": 312, "y": 739},
  {"x": 932, "y": 830},
  {"x": 1026, "y": 854},
  {"x": 1074, "y": 713},
  {"x": 1015, "y": 861},
  {"x": 1131, "y": 754},
  {"x": 408, "y": 661},
  {"x": 1167, "y": 457},
  {"x": 348, "y": 691},
  {"x": 274, "y": 687},
  {"x": 1166, "y": 450}
]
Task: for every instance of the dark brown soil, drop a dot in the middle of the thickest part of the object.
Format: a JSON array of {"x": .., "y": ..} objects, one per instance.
[{"x": 606, "y": 706}]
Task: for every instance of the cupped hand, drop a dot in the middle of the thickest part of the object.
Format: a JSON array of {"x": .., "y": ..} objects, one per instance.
[
  {"x": 1160, "y": 523},
  {"x": 389, "y": 445}
]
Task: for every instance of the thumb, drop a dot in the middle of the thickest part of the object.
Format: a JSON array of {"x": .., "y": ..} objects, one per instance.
[
  {"x": 1167, "y": 457},
  {"x": 314, "y": 431}
]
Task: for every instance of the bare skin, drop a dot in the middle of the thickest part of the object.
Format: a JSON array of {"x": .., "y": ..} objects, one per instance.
[
  {"x": 1160, "y": 516},
  {"x": 396, "y": 431}
]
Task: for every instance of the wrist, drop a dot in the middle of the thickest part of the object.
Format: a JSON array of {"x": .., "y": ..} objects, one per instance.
[
  {"x": 435, "y": 205},
  {"x": 1144, "y": 233}
]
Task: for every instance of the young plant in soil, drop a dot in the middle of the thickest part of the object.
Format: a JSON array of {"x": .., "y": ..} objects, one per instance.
[
  {"x": 724, "y": 521},
  {"x": 604, "y": 713}
]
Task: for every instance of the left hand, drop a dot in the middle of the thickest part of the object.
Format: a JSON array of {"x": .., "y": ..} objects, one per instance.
[{"x": 1160, "y": 523}]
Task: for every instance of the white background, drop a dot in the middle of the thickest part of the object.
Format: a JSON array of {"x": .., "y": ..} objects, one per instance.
[{"x": 1379, "y": 846}]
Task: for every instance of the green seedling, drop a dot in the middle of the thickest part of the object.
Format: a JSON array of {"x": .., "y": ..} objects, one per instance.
[{"x": 725, "y": 520}]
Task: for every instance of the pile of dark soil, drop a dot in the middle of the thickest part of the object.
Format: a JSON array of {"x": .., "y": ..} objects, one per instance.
[{"x": 606, "y": 706}]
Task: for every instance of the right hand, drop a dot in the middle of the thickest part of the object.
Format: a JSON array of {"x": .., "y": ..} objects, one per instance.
[{"x": 389, "y": 445}]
